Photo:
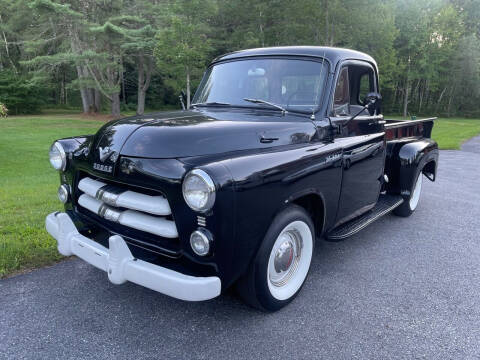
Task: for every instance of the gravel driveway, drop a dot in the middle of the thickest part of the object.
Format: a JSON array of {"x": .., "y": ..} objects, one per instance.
[{"x": 402, "y": 288}]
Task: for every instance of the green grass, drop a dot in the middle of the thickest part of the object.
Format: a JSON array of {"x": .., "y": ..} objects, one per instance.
[
  {"x": 28, "y": 183},
  {"x": 28, "y": 187},
  {"x": 451, "y": 133}
]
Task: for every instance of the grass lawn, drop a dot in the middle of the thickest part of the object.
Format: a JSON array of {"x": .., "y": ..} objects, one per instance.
[
  {"x": 452, "y": 133},
  {"x": 28, "y": 184}
]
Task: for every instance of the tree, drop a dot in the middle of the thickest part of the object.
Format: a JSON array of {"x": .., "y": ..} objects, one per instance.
[
  {"x": 182, "y": 48},
  {"x": 466, "y": 74},
  {"x": 412, "y": 43},
  {"x": 141, "y": 27},
  {"x": 22, "y": 93},
  {"x": 65, "y": 30},
  {"x": 426, "y": 50},
  {"x": 104, "y": 62}
]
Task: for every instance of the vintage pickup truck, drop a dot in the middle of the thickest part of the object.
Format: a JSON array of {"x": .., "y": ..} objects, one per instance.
[{"x": 281, "y": 146}]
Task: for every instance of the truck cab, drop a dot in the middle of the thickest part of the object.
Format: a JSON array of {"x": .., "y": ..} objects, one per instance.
[{"x": 281, "y": 147}]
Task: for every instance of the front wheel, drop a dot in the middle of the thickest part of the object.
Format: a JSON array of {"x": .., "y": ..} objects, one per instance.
[
  {"x": 411, "y": 203},
  {"x": 282, "y": 262}
]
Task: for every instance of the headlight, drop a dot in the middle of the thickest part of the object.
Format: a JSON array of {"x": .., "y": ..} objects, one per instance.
[
  {"x": 58, "y": 158},
  {"x": 199, "y": 190}
]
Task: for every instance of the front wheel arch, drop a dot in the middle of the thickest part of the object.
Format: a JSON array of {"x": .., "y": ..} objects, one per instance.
[{"x": 314, "y": 204}]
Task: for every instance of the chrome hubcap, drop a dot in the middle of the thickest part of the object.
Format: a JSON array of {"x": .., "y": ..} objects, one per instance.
[
  {"x": 289, "y": 260},
  {"x": 286, "y": 259}
]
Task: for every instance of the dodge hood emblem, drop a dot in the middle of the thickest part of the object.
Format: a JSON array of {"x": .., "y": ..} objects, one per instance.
[{"x": 105, "y": 153}]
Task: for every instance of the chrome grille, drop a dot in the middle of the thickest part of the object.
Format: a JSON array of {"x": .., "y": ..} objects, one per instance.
[{"x": 129, "y": 208}]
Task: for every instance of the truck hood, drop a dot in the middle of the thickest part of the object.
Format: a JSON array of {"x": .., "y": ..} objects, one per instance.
[{"x": 201, "y": 132}]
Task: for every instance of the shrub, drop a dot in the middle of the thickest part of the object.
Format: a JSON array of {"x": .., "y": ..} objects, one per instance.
[
  {"x": 22, "y": 93},
  {"x": 3, "y": 110}
]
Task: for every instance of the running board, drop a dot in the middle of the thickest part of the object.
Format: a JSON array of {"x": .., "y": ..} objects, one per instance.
[{"x": 386, "y": 203}]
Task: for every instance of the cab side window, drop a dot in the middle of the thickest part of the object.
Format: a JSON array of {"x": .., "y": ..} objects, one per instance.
[
  {"x": 354, "y": 83},
  {"x": 365, "y": 85},
  {"x": 341, "y": 98}
]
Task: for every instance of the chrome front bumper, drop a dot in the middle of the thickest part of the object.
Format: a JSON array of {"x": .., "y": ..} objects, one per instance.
[{"x": 121, "y": 266}]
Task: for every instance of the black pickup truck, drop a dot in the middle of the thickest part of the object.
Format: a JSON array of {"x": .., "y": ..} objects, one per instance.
[{"x": 281, "y": 146}]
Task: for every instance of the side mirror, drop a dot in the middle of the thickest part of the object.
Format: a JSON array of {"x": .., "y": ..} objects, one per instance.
[{"x": 373, "y": 103}]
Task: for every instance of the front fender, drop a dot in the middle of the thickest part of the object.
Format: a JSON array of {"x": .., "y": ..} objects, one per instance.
[
  {"x": 72, "y": 144},
  {"x": 266, "y": 182}
]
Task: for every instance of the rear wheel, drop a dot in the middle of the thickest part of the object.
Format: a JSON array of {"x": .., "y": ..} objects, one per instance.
[
  {"x": 411, "y": 202},
  {"x": 282, "y": 262}
]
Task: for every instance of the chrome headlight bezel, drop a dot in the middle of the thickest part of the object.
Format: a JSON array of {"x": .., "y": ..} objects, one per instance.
[
  {"x": 203, "y": 238},
  {"x": 209, "y": 190},
  {"x": 63, "y": 193},
  {"x": 56, "y": 146}
]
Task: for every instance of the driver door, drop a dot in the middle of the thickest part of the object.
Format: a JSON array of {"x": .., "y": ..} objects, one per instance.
[{"x": 362, "y": 141}]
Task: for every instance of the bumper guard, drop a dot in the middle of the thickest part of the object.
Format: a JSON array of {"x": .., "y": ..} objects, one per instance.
[{"x": 121, "y": 266}]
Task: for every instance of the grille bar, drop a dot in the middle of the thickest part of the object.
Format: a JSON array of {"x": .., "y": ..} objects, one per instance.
[
  {"x": 131, "y": 218},
  {"x": 156, "y": 205}
]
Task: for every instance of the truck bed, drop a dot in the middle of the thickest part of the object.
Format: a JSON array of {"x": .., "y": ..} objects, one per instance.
[{"x": 395, "y": 129}]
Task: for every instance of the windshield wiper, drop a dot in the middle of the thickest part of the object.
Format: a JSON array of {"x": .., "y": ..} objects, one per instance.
[
  {"x": 259, "y": 101},
  {"x": 212, "y": 103}
]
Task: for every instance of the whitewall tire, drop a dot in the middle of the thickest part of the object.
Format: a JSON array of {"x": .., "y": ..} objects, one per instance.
[
  {"x": 410, "y": 202},
  {"x": 415, "y": 197},
  {"x": 289, "y": 260},
  {"x": 281, "y": 266}
]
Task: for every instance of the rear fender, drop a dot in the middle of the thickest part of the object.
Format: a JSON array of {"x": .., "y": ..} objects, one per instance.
[{"x": 419, "y": 155}]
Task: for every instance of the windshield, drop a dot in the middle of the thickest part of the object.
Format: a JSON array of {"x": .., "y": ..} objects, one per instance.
[{"x": 295, "y": 85}]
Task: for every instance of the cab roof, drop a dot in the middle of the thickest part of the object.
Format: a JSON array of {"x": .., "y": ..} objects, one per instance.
[{"x": 331, "y": 54}]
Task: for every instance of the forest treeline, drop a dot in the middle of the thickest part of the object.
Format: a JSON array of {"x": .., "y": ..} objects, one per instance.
[{"x": 132, "y": 54}]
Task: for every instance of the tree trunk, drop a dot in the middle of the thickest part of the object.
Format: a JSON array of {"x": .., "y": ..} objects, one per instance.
[
  {"x": 427, "y": 94},
  {"x": 141, "y": 102},
  {"x": 91, "y": 100},
  {"x": 97, "y": 101},
  {"x": 416, "y": 91},
  {"x": 140, "y": 92},
  {"x": 332, "y": 34},
  {"x": 124, "y": 98},
  {"x": 327, "y": 38},
  {"x": 262, "y": 36},
  {"x": 188, "y": 88},
  {"x": 80, "y": 75},
  {"x": 62, "y": 90},
  {"x": 144, "y": 78},
  {"x": 449, "y": 108},
  {"x": 440, "y": 99},
  {"x": 88, "y": 91},
  {"x": 405, "y": 99},
  {"x": 407, "y": 85},
  {"x": 420, "y": 100},
  {"x": 394, "y": 97},
  {"x": 66, "y": 91},
  {"x": 7, "y": 50},
  {"x": 83, "y": 91},
  {"x": 116, "y": 104}
]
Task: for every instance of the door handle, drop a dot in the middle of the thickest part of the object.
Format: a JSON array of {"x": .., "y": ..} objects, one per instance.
[
  {"x": 378, "y": 122},
  {"x": 268, "y": 140}
]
